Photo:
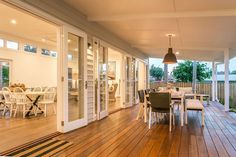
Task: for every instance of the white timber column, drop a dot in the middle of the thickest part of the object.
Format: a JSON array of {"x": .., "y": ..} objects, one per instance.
[
  {"x": 216, "y": 85},
  {"x": 165, "y": 73},
  {"x": 194, "y": 77},
  {"x": 213, "y": 86},
  {"x": 226, "y": 61}
]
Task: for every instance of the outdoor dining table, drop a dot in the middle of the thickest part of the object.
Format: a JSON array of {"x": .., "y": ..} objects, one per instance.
[
  {"x": 34, "y": 98},
  {"x": 174, "y": 96}
]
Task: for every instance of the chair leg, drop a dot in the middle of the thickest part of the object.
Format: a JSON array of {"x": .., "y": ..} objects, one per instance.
[
  {"x": 16, "y": 110},
  {"x": 139, "y": 111},
  {"x": 145, "y": 113},
  {"x": 150, "y": 117},
  {"x": 186, "y": 116},
  {"x": 11, "y": 109},
  {"x": 54, "y": 109},
  {"x": 23, "y": 111},
  {"x": 170, "y": 119},
  {"x": 4, "y": 110},
  {"x": 45, "y": 110},
  {"x": 173, "y": 117}
]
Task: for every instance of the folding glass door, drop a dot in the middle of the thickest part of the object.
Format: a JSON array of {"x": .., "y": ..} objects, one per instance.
[
  {"x": 74, "y": 86},
  {"x": 102, "y": 89}
]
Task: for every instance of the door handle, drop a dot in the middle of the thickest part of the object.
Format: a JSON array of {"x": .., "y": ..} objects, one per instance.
[{"x": 86, "y": 84}]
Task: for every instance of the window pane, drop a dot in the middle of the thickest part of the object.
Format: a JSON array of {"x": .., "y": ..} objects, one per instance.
[
  {"x": 1, "y": 43},
  {"x": 12, "y": 45},
  {"x": 30, "y": 48},
  {"x": 45, "y": 52},
  {"x": 70, "y": 57},
  {"x": 53, "y": 53}
]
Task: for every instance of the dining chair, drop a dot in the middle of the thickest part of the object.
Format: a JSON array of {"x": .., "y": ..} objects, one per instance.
[
  {"x": 8, "y": 100},
  {"x": 48, "y": 98},
  {"x": 21, "y": 101},
  {"x": 141, "y": 97},
  {"x": 161, "y": 103}
]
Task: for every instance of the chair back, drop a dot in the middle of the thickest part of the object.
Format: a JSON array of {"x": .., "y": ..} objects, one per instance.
[
  {"x": 147, "y": 91},
  {"x": 7, "y": 95},
  {"x": 141, "y": 96},
  {"x": 37, "y": 89},
  {"x": 160, "y": 101},
  {"x": 49, "y": 94},
  {"x": 19, "y": 95}
]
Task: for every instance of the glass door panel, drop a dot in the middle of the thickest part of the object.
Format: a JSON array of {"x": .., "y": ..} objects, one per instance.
[
  {"x": 129, "y": 81},
  {"x": 102, "y": 81},
  {"x": 74, "y": 88},
  {"x": 75, "y": 78}
]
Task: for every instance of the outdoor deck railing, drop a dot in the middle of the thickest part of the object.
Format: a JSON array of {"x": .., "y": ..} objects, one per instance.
[{"x": 205, "y": 88}]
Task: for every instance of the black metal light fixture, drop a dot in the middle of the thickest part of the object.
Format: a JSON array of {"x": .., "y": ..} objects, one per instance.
[{"x": 170, "y": 57}]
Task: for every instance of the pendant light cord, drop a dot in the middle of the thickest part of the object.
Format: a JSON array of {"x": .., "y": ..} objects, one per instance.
[{"x": 170, "y": 40}]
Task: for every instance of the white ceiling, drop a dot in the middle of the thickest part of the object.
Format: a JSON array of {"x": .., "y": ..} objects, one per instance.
[
  {"x": 203, "y": 28},
  {"x": 27, "y": 26}
]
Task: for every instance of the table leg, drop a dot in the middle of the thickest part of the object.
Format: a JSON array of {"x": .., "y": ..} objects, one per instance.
[
  {"x": 182, "y": 112},
  {"x": 145, "y": 112},
  {"x": 201, "y": 99},
  {"x": 34, "y": 104}
]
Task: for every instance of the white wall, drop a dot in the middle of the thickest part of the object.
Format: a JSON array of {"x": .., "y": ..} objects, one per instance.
[
  {"x": 117, "y": 57},
  {"x": 142, "y": 75},
  {"x": 31, "y": 69}
]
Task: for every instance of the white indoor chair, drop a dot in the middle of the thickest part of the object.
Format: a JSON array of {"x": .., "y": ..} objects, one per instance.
[
  {"x": 21, "y": 101},
  {"x": 48, "y": 98},
  {"x": 8, "y": 102}
]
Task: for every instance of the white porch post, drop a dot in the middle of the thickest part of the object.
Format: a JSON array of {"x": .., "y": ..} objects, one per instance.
[
  {"x": 165, "y": 73},
  {"x": 214, "y": 80},
  {"x": 194, "y": 77},
  {"x": 226, "y": 61}
]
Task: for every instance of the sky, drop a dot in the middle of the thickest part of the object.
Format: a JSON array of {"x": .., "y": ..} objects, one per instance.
[{"x": 158, "y": 63}]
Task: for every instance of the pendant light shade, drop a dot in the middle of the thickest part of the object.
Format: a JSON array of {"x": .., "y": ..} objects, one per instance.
[{"x": 170, "y": 57}]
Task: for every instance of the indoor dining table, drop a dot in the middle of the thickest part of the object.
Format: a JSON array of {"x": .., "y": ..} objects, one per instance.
[
  {"x": 174, "y": 96},
  {"x": 34, "y": 98}
]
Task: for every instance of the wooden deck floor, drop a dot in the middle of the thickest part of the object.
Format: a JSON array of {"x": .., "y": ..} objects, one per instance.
[{"x": 121, "y": 135}]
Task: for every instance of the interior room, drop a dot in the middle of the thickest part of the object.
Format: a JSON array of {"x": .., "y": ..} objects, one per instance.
[
  {"x": 114, "y": 80},
  {"x": 28, "y": 77}
]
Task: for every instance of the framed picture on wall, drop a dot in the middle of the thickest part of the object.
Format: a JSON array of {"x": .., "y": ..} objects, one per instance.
[{"x": 111, "y": 73}]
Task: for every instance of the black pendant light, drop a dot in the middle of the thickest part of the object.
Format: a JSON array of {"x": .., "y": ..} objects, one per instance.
[{"x": 170, "y": 57}]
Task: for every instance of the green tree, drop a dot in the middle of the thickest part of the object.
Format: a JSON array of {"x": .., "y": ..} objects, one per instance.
[
  {"x": 156, "y": 72},
  {"x": 233, "y": 72},
  {"x": 5, "y": 75},
  {"x": 184, "y": 71}
]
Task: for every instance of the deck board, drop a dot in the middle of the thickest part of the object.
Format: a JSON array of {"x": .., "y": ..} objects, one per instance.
[{"x": 121, "y": 135}]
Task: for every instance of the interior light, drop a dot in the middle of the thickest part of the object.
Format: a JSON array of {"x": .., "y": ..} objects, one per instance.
[
  {"x": 43, "y": 40},
  {"x": 13, "y": 21},
  {"x": 68, "y": 40},
  {"x": 177, "y": 53}
]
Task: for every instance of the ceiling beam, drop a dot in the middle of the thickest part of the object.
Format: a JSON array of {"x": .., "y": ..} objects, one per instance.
[
  {"x": 180, "y": 48},
  {"x": 184, "y": 14}
]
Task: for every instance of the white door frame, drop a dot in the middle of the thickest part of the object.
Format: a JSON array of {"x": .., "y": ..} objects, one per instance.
[
  {"x": 102, "y": 114},
  {"x": 65, "y": 125}
]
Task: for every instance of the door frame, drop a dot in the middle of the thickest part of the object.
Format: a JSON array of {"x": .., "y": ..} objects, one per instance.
[{"x": 65, "y": 125}]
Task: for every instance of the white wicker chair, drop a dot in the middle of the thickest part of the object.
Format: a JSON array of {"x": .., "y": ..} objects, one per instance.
[
  {"x": 48, "y": 98},
  {"x": 21, "y": 101},
  {"x": 9, "y": 101}
]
